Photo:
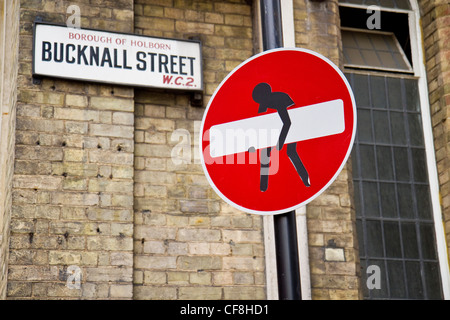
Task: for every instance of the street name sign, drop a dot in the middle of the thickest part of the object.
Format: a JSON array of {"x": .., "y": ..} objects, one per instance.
[{"x": 116, "y": 58}]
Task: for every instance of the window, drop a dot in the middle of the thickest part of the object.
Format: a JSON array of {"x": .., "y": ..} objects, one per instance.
[
  {"x": 373, "y": 50},
  {"x": 393, "y": 199}
]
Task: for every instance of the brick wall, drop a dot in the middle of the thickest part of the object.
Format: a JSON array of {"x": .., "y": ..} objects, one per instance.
[
  {"x": 73, "y": 179},
  {"x": 189, "y": 244},
  {"x": 436, "y": 36},
  {"x": 8, "y": 97},
  {"x": 331, "y": 216},
  {"x": 96, "y": 187}
]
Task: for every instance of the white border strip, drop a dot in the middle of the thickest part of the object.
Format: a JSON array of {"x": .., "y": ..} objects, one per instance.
[
  {"x": 416, "y": 47},
  {"x": 365, "y": 6},
  {"x": 287, "y": 23}
]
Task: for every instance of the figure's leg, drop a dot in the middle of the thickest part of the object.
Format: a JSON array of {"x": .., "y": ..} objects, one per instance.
[
  {"x": 297, "y": 162},
  {"x": 265, "y": 166}
]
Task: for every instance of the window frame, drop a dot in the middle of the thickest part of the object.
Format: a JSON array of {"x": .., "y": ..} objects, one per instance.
[
  {"x": 397, "y": 44},
  {"x": 418, "y": 65}
]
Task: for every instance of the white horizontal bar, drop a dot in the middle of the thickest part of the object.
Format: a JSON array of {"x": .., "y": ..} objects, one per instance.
[{"x": 308, "y": 122}]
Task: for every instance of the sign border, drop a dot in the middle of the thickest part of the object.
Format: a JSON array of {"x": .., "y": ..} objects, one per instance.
[
  {"x": 38, "y": 75},
  {"x": 344, "y": 161}
]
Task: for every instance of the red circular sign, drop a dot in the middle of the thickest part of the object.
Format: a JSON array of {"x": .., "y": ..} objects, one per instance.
[{"x": 277, "y": 131}]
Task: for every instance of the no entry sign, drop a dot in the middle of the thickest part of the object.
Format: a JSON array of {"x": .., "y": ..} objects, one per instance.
[{"x": 277, "y": 131}]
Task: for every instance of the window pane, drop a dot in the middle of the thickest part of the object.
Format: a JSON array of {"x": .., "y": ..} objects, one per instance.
[
  {"x": 361, "y": 90},
  {"x": 384, "y": 163},
  {"x": 419, "y": 165},
  {"x": 394, "y": 94},
  {"x": 396, "y": 279},
  {"x": 401, "y": 164},
  {"x": 374, "y": 242},
  {"x": 367, "y": 154},
  {"x": 414, "y": 278},
  {"x": 360, "y": 233},
  {"x": 398, "y": 128},
  {"x": 409, "y": 236},
  {"x": 356, "y": 186},
  {"x": 364, "y": 126},
  {"x": 415, "y": 129},
  {"x": 412, "y": 96},
  {"x": 350, "y": 42},
  {"x": 380, "y": 42},
  {"x": 371, "y": 58},
  {"x": 370, "y": 199},
  {"x": 355, "y": 163},
  {"x": 377, "y": 50},
  {"x": 423, "y": 201},
  {"x": 392, "y": 239},
  {"x": 388, "y": 60},
  {"x": 378, "y": 92},
  {"x": 432, "y": 280},
  {"x": 353, "y": 56},
  {"x": 405, "y": 202},
  {"x": 427, "y": 241},
  {"x": 388, "y": 200},
  {"x": 363, "y": 40},
  {"x": 381, "y": 126}
]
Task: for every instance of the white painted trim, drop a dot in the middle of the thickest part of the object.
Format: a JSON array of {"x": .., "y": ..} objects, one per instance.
[
  {"x": 287, "y": 22},
  {"x": 303, "y": 252},
  {"x": 365, "y": 6},
  {"x": 419, "y": 66},
  {"x": 271, "y": 258}
]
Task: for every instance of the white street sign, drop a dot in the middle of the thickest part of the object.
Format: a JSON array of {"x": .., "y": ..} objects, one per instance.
[{"x": 117, "y": 58}]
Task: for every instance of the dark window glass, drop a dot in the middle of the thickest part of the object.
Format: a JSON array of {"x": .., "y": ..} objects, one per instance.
[
  {"x": 392, "y": 196},
  {"x": 381, "y": 126},
  {"x": 398, "y": 128},
  {"x": 384, "y": 163},
  {"x": 414, "y": 280},
  {"x": 374, "y": 242},
  {"x": 397, "y": 284},
  {"x": 388, "y": 200},
  {"x": 409, "y": 236},
  {"x": 364, "y": 118}
]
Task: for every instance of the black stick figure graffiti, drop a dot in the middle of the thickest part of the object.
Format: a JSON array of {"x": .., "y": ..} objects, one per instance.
[{"x": 280, "y": 101}]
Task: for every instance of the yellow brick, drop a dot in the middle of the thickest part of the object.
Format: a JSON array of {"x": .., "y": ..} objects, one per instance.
[
  {"x": 73, "y": 100},
  {"x": 74, "y": 155}
]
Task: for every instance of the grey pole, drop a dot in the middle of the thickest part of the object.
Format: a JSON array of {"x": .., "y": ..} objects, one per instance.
[{"x": 285, "y": 223}]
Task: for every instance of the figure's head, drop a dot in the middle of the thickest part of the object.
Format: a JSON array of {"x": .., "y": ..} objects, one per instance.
[{"x": 261, "y": 92}]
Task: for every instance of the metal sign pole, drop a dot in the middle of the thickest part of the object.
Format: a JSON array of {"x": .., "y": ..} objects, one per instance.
[{"x": 284, "y": 224}]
